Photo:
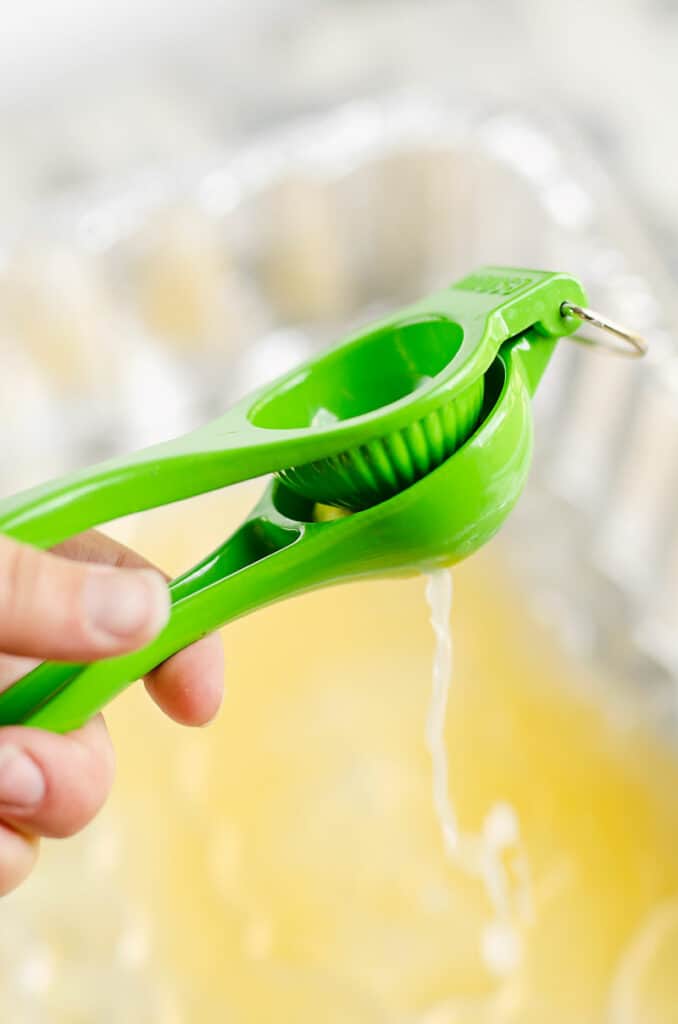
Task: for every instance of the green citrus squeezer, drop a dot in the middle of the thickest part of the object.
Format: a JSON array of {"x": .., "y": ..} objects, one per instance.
[{"x": 420, "y": 426}]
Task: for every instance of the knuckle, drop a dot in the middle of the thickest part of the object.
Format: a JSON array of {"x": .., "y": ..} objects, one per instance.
[
  {"x": 18, "y": 580},
  {"x": 68, "y": 827},
  {"x": 78, "y": 814},
  {"x": 79, "y": 806},
  {"x": 33, "y": 583},
  {"x": 38, "y": 582}
]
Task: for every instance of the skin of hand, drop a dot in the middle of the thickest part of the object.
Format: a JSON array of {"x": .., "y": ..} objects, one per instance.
[{"x": 90, "y": 598}]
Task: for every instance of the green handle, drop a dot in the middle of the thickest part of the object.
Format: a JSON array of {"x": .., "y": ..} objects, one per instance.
[
  {"x": 168, "y": 472},
  {"x": 255, "y": 566},
  {"x": 274, "y": 429}
]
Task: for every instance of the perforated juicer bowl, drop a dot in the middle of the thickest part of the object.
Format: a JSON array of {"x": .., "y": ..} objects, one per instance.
[{"x": 390, "y": 367}]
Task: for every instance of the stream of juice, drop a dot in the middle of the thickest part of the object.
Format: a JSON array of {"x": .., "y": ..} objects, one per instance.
[{"x": 482, "y": 855}]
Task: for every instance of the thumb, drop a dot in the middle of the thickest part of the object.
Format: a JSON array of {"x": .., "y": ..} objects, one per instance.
[{"x": 52, "y": 607}]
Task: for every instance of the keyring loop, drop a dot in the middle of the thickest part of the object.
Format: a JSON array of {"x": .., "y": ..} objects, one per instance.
[{"x": 634, "y": 347}]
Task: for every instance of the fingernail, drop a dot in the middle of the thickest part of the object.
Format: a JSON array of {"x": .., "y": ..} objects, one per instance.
[
  {"x": 21, "y": 781},
  {"x": 126, "y": 603}
]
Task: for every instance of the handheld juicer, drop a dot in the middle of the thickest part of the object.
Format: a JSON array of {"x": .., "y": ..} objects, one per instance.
[{"x": 419, "y": 427}]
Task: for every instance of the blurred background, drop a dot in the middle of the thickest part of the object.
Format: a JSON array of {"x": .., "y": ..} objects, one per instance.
[
  {"x": 90, "y": 90},
  {"x": 192, "y": 199}
]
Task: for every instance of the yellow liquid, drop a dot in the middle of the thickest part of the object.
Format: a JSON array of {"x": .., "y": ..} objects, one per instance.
[{"x": 286, "y": 863}]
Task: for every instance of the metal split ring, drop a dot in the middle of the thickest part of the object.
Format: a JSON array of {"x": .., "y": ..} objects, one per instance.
[{"x": 634, "y": 345}]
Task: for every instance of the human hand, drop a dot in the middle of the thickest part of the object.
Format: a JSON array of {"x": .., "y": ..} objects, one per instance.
[{"x": 91, "y": 598}]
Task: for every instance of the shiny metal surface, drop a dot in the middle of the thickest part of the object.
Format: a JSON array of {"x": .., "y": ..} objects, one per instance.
[{"x": 634, "y": 345}]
